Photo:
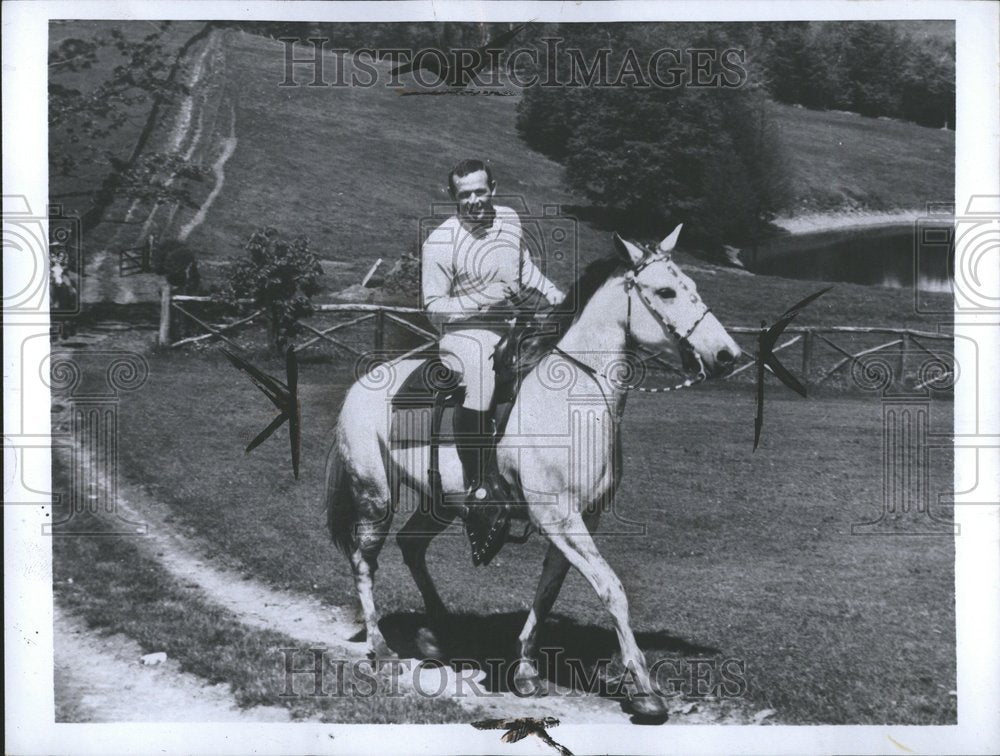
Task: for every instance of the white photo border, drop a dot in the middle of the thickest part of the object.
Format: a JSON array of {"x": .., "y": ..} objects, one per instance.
[{"x": 27, "y": 558}]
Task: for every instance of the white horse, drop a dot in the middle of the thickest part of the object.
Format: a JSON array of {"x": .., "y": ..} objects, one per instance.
[{"x": 561, "y": 450}]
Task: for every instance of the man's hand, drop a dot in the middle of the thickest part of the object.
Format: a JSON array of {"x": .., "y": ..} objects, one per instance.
[
  {"x": 504, "y": 297},
  {"x": 512, "y": 295},
  {"x": 493, "y": 295}
]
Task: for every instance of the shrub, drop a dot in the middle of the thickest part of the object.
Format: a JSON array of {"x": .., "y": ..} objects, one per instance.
[{"x": 278, "y": 275}]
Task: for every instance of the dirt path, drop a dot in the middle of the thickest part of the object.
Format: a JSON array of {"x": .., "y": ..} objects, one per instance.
[
  {"x": 302, "y": 618},
  {"x": 102, "y": 679}
]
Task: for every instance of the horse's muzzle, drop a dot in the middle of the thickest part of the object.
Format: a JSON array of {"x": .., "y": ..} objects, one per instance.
[{"x": 725, "y": 361}]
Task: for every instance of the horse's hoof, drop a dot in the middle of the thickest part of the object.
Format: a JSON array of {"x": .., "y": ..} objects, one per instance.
[
  {"x": 647, "y": 708},
  {"x": 529, "y": 686},
  {"x": 428, "y": 644}
]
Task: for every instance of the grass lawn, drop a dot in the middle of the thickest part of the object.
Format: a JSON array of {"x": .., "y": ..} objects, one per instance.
[
  {"x": 116, "y": 589},
  {"x": 745, "y": 555}
]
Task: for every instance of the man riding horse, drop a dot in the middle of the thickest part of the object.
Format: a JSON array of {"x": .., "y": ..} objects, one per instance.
[{"x": 474, "y": 267}]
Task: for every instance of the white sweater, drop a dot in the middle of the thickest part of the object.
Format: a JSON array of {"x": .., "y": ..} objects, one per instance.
[{"x": 462, "y": 272}]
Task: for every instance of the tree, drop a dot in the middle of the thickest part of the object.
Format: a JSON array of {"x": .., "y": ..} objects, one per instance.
[
  {"x": 927, "y": 85},
  {"x": 279, "y": 276},
  {"x": 90, "y": 104},
  {"x": 658, "y": 156}
]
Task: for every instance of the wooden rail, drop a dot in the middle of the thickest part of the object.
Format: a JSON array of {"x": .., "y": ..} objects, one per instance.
[
  {"x": 905, "y": 341},
  {"x": 379, "y": 314}
]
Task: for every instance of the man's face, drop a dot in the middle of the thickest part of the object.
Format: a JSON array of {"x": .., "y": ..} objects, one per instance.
[{"x": 474, "y": 196}]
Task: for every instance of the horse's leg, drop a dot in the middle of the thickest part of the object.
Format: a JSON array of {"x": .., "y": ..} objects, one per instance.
[
  {"x": 373, "y": 516},
  {"x": 554, "y": 569},
  {"x": 571, "y": 537},
  {"x": 413, "y": 539},
  {"x": 364, "y": 565}
]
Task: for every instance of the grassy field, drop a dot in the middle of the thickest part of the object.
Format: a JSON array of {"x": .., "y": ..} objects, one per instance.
[
  {"x": 116, "y": 589},
  {"x": 747, "y": 555},
  {"x": 843, "y": 161}
]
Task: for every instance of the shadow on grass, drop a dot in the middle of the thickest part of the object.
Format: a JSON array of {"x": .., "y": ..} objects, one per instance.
[{"x": 571, "y": 651}]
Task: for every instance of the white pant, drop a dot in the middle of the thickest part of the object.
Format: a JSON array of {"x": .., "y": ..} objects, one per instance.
[{"x": 468, "y": 352}]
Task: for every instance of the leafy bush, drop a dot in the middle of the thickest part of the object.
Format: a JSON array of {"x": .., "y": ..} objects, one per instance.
[{"x": 278, "y": 275}]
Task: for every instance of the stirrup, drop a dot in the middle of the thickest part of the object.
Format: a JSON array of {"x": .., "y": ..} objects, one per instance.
[{"x": 486, "y": 545}]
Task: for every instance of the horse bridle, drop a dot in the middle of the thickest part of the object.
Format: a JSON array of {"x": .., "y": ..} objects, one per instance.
[{"x": 668, "y": 329}]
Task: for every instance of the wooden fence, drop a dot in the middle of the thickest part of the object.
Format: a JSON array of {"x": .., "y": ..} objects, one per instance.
[
  {"x": 136, "y": 259},
  {"x": 379, "y": 315},
  {"x": 820, "y": 354},
  {"x": 895, "y": 357}
]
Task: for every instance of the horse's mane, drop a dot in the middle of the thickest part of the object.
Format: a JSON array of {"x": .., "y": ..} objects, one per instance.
[
  {"x": 563, "y": 315},
  {"x": 582, "y": 291}
]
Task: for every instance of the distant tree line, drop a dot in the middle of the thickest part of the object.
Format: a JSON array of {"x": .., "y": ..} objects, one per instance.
[
  {"x": 875, "y": 68},
  {"x": 356, "y": 36},
  {"x": 871, "y": 68}
]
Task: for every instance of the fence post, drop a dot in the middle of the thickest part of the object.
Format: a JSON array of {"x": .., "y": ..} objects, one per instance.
[
  {"x": 147, "y": 254},
  {"x": 905, "y": 346},
  {"x": 806, "y": 355},
  {"x": 164, "y": 338},
  {"x": 379, "y": 330}
]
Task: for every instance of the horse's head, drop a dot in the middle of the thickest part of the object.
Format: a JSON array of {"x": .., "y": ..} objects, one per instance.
[{"x": 664, "y": 307}]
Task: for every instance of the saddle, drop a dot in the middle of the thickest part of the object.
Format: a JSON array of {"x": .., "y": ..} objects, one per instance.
[{"x": 423, "y": 415}]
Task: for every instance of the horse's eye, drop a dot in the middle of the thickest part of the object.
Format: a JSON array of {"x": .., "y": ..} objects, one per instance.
[{"x": 666, "y": 293}]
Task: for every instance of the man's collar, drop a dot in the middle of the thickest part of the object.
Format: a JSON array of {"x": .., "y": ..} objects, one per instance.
[{"x": 480, "y": 229}]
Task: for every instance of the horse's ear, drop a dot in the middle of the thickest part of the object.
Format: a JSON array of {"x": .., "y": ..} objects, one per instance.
[
  {"x": 671, "y": 241},
  {"x": 629, "y": 253}
]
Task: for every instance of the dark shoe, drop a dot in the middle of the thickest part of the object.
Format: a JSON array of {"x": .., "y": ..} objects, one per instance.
[{"x": 487, "y": 526}]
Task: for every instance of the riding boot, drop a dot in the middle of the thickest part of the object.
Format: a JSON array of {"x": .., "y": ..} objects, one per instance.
[
  {"x": 487, "y": 517},
  {"x": 472, "y": 443}
]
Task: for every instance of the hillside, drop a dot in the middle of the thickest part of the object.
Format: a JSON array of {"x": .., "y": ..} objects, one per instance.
[
  {"x": 355, "y": 169},
  {"x": 843, "y": 161},
  {"x": 73, "y": 191},
  {"x": 323, "y": 143}
]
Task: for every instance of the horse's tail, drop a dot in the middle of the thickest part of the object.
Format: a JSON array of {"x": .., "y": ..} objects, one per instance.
[{"x": 341, "y": 515}]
